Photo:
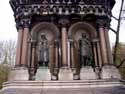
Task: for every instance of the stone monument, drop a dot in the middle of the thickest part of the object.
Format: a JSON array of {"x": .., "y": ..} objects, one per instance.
[{"x": 56, "y": 40}]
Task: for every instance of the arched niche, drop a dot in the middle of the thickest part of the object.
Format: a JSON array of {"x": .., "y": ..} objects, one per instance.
[
  {"x": 52, "y": 33},
  {"x": 75, "y": 32}
]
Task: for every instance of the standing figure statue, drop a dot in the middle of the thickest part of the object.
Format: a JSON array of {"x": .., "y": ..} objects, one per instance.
[
  {"x": 43, "y": 51},
  {"x": 85, "y": 50}
]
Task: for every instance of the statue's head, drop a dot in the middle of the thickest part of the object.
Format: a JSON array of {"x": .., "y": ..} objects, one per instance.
[
  {"x": 42, "y": 35},
  {"x": 83, "y": 35}
]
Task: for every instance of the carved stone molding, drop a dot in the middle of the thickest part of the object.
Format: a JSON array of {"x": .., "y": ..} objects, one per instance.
[{"x": 61, "y": 7}]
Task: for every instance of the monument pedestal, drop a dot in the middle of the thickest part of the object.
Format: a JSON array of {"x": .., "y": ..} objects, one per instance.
[
  {"x": 87, "y": 73},
  {"x": 109, "y": 72},
  {"x": 65, "y": 73},
  {"x": 54, "y": 76},
  {"x": 75, "y": 74},
  {"x": 19, "y": 73},
  {"x": 43, "y": 73}
]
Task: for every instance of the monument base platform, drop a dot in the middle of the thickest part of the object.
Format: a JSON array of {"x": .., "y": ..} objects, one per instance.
[
  {"x": 43, "y": 73},
  {"x": 62, "y": 87},
  {"x": 109, "y": 72},
  {"x": 65, "y": 74},
  {"x": 87, "y": 73},
  {"x": 19, "y": 73}
]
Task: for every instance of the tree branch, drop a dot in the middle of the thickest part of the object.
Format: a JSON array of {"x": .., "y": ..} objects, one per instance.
[
  {"x": 113, "y": 30},
  {"x": 115, "y": 18}
]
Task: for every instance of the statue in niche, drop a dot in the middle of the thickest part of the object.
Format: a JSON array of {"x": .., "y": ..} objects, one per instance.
[
  {"x": 43, "y": 51},
  {"x": 85, "y": 50}
]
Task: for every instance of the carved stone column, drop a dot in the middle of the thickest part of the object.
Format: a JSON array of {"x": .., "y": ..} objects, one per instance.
[
  {"x": 108, "y": 71},
  {"x": 95, "y": 53},
  {"x": 64, "y": 46},
  {"x": 99, "y": 54},
  {"x": 72, "y": 54},
  {"x": 33, "y": 60},
  {"x": 21, "y": 72},
  {"x": 19, "y": 47},
  {"x": 25, "y": 46},
  {"x": 110, "y": 58},
  {"x": 56, "y": 61},
  {"x": 65, "y": 72},
  {"x": 103, "y": 42}
]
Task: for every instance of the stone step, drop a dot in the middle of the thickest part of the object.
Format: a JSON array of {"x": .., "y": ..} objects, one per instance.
[
  {"x": 61, "y": 84},
  {"x": 62, "y": 87}
]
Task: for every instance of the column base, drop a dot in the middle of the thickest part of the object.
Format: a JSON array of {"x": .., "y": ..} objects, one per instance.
[
  {"x": 65, "y": 74},
  {"x": 75, "y": 74},
  {"x": 19, "y": 73},
  {"x": 110, "y": 72},
  {"x": 97, "y": 71},
  {"x": 87, "y": 73},
  {"x": 54, "y": 76},
  {"x": 43, "y": 73}
]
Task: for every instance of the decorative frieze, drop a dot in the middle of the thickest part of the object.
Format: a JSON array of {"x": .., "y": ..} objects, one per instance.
[{"x": 24, "y": 8}]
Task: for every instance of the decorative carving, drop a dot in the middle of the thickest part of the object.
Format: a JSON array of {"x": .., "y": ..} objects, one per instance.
[
  {"x": 101, "y": 22},
  {"x": 24, "y": 8}
]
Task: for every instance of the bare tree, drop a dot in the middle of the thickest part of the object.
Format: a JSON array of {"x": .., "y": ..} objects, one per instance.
[
  {"x": 7, "y": 52},
  {"x": 119, "y": 19}
]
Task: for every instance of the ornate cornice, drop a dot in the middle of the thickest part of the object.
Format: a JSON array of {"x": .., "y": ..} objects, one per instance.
[{"x": 24, "y": 8}]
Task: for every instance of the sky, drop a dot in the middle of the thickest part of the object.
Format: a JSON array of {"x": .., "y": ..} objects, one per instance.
[{"x": 8, "y": 30}]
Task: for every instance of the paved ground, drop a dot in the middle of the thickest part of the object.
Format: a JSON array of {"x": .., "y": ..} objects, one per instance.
[{"x": 104, "y": 90}]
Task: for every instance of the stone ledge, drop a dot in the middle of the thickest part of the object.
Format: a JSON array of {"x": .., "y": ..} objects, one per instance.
[{"x": 61, "y": 84}]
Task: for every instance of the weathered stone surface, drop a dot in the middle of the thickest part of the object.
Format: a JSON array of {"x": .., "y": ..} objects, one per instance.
[
  {"x": 19, "y": 73},
  {"x": 43, "y": 73},
  {"x": 65, "y": 74},
  {"x": 87, "y": 73},
  {"x": 109, "y": 72},
  {"x": 64, "y": 87}
]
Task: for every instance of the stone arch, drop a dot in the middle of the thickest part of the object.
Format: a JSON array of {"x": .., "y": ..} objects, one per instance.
[
  {"x": 50, "y": 29},
  {"x": 75, "y": 30},
  {"x": 52, "y": 33}
]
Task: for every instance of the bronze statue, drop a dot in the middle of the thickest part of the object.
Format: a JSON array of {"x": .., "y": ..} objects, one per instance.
[
  {"x": 85, "y": 50},
  {"x": 43, "y": 51}
]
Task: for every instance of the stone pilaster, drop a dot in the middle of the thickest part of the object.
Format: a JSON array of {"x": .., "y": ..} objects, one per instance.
[
  {"x": 25, "y": 47},
  {"x": 19, "y": 47},
  {"x": 99, "y": 54},
  {"x": 95, "y": 53},
  {"x": 110, "y": 57},
  {"x": 64, "y": 46},
  {"x": 33, "y": 59},
  {"x": 54, "y": 75},
  {"x": 102, "y": 42},
  {"x": 72, "y": 54},
  {"x": 63, "y": 22},
  {"x": 26, "y": 23}
]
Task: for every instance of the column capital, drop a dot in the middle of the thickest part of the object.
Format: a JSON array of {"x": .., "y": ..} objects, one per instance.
[
  {"x": 26, "y": 22},
  {"x": 18, "y": 24},
  {"x": 103, "y": 23},
  {"x": 56, "y": 43},
  {"x": 100, "y": 23},
  {"x": 63, "y": 22}
]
